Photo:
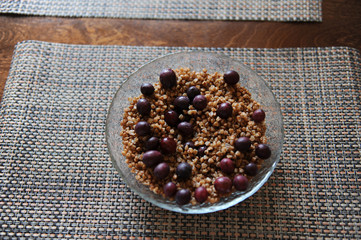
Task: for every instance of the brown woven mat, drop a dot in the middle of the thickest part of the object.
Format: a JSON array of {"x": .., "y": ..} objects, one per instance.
[
  {"x": 271, "y": 10},
  {"x": 57, "y": 180}
]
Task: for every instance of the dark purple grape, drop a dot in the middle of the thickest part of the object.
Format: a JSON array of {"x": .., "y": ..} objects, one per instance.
[
  {"x": 192, "y": 92},
  {"x": 152, "y": 143},
  {"x": 258, "y": 116},
  {"x": 152, "y": 158},
  {"x": 223, "y": 184},
  {"x": 227, "y": 165},
  {"x": 189, "y": 144},
  {"x": 143, "y": 107},
  {"x": 170, "y": 189},
  {"x": 183, "y": 196},
  {"x": 240, "y": 182},
  {"x": 171, "y": 118},
  {"x": 201, "y": 194},
  {"x": 200, "y": 102},
  {"x": 251, "y": 169},
  {"x": 201, "y": 151},
  {"x": 181, "y": 102},
  {"x": 168, "y": 145},
  {"x": 185, "y": 129},
  {"x": 161, "y": 171},
  {"x": 184, "y": 171},
  {"x": 263, "y": 151},
  {"x": 242, "y": 144},
  {"x": 224, "y": 110},
  {"x": 168, "y": 78},
  {"x": 142, "y": 128},
  {"x": 147, "y": 89},
  {"x": 231, "y": 77}
]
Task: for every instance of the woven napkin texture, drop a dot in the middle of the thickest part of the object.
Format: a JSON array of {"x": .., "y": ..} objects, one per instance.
[
  {"x": 273, "y": 10},
  {"x": 57, "y": 180}
]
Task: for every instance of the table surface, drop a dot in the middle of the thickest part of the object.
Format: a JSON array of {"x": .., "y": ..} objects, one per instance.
[{"x": 341, "y": 26}]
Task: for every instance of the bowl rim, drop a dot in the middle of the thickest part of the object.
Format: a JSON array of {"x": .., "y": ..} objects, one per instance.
[{"x": 183, "y": 209}]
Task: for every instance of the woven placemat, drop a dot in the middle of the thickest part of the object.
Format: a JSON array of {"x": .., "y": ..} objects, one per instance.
[
  {"x": 273, "y": 10},
  {"x": 57, "y": 180}
]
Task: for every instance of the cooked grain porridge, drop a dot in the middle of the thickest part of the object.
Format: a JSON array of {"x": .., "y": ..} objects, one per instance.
[{"x": 194, "y": 136}]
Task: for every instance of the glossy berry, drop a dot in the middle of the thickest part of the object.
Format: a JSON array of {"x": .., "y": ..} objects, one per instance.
[
  {"x": 183, "y": 196},
  {"x": 240, "y": 182},
  {"x": 185, "y": 129},
  {"x": 184, "y": 171},
  {"x": 152, "y": 143},
  {"x": 161, "y": 171},
  {"x": 171, "y": 118},
  {"x": 224, "y": 110},
  {"x": 192, "y": 92},
  {"x": 152, "y": 158},
  {"x": 258, "y": 116},
  {"x": 231, "y": 77},
  {"x": 227, "y": 165},
  {"x": 189, "y": 144},
  {"x": 168, "y": 145},
  {"x": 142, "y": 128},
  {"x": 181, "y": 102},
  {"x": 147, "y": 89},
  {"x": 168, "y": 79},
  {"x": 223, "y": 185},
  {"x": 200, "y": 102},
  {"x": 201, "y": 151},
  {"x": 251, "y": 169},
  {"x": 201, "y": 194},
  {"x": 242, "y": 144},
  {"x": 170, "y": 189},
  {"x": 263, "y": 151},
  {"x": 143, "y": 107}
]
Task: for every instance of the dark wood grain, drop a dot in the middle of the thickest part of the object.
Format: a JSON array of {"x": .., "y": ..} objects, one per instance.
[{"x": 341, "y": 26}]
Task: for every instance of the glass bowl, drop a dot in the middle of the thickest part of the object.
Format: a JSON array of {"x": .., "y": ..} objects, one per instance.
[{"x": 196, "y": 61}]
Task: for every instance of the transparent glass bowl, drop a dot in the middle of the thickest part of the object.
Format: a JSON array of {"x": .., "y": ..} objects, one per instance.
[{"x": 196, "y": 61}]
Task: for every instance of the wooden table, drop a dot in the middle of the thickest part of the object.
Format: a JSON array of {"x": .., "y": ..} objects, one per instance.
[{"x": 341, "y": 26}]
